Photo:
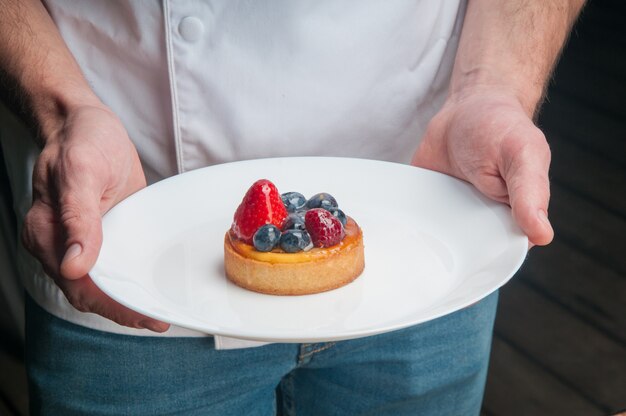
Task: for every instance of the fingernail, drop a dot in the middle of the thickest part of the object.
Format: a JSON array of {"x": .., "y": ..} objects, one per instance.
[{"x": 73, "y": 251}]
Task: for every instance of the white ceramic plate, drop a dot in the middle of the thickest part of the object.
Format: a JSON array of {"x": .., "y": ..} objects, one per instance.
[{"x": 433, "y": 245}]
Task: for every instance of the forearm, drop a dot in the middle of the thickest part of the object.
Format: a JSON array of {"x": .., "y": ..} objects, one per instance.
[
  {"x": 512, "y": 46},
  {"x": 39, "y": 78}
]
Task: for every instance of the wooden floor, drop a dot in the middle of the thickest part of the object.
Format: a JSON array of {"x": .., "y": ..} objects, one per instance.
[{"x": 560, "y": 336}]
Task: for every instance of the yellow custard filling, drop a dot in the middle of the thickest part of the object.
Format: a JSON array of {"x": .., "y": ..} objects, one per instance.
[{"x": 279, "y": 256}]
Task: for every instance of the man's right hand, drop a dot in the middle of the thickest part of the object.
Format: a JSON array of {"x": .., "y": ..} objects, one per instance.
[{"x": 87, "y": 166}]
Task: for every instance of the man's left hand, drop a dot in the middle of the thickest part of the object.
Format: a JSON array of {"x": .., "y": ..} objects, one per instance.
[{"x": 487, "y": 139}]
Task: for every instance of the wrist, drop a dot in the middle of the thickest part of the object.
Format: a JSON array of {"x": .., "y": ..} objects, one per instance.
[
  {"x": 527, "y": 92},
  {"x": 51, "y": 106},
  {"x": 39, "y": 78},
  {"x": 511, "y": 46}
]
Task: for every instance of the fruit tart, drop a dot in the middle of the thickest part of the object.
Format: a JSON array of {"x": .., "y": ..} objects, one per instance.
[{"x": 289, "y": 245}]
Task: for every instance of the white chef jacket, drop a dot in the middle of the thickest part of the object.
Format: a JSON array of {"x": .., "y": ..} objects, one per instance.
[{"x": 203, "y": 82}]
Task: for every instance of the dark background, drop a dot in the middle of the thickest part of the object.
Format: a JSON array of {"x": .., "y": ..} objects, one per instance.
[{"x": 560, "y": 336}]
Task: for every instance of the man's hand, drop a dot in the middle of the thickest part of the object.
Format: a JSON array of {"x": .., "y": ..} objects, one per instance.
[
  {"x": 484, "y": 133},
  {"x": 487, "y": 139},
  {"x": 86, "y": 166}
]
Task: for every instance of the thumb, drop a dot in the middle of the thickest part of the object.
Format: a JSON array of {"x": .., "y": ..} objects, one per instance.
[
  {"x": 526, "y": 176},
  {"x": 530, "y": 213},
  {"x": 81, "y": 224}
]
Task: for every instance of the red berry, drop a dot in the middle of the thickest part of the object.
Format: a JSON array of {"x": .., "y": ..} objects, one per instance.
[
  {"x": 261, "y": 205},
  {"x": 323, "y": 227}
]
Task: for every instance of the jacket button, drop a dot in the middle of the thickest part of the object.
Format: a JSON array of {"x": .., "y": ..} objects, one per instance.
[{"x": 191, "y": 28}]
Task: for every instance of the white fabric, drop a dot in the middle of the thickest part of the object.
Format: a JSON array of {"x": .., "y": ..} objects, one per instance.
[{"x": 199, "y": 83}]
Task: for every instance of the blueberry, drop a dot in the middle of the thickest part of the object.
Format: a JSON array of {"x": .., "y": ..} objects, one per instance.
[
  {"x": 266, "y": 237},
  {"x": 340, "y": 215},
  {"x": 322, "y": 200},
  {"x": 295, "y": 221},
  {"x": 293, "y": 201},
  {"x": 295, "y": 240}
]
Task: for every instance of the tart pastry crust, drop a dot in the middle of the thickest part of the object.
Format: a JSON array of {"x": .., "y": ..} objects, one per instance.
[{"x": 302, "y": 273}]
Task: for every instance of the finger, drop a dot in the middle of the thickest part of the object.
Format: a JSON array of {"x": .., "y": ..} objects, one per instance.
[
  {"x": 526, "y": 164},
  {"x": 40, "y": 234},
  {"x": 85, "y": 296}
]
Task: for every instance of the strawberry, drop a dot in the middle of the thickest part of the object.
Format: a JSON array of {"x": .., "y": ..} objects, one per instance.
[
  {"x": 323, "y": 227},
  {"x": 261, "y": 205}
]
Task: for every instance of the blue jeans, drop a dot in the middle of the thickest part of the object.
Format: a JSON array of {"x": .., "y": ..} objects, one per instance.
[{"x": 436, "y": 368}]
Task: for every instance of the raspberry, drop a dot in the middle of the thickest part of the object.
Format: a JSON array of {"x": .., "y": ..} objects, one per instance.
[{"x": 325, "y": 229}]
